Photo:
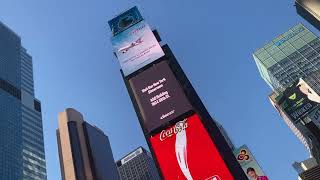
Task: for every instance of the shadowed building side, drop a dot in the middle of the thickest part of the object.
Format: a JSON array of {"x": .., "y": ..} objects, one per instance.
[{"x": 310, "y": 11}]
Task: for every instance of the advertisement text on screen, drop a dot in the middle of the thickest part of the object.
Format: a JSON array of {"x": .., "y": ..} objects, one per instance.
[{"x": 159, "y": 96}]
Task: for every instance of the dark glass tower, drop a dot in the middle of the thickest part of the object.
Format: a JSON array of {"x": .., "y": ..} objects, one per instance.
[{"x": 21, "y": 134}]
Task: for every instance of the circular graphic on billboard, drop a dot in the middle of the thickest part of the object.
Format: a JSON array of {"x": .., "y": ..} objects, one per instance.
[{"x": 243, "y": 156}]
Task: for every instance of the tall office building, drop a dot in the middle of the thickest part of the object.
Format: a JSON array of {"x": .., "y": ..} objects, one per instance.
[
  {"x": 287, "y": 58},
  {"x": 282, "y": 63},
  {"x": 84, "y": 150},
  {"x": 309, "y": 10},
  {"x": 138, "y": 165},
  {"x": 22, "y": 153}
]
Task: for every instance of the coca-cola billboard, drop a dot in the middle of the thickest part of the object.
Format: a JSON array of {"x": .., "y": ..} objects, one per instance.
[
  {"x": 185, "y": 151},
  {"x": 158, "y": 95}
]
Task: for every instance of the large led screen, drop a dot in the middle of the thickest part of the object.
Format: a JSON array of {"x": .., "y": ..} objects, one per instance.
[
  {"x": 136, "y": 47},
  {"x": 125, "y": 20},
  {"x": 158, "y": 95},
  {"x": 298, "y": 100},
  {"x": 185, "y": 151}
]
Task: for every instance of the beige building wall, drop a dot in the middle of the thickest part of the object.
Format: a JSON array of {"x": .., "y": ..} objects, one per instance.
[{"x": 66, "y": 153}]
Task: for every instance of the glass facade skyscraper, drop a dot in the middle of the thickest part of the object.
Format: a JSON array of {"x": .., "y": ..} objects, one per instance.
[
  {"x": 281, "y": 63},
  {"x": 21, "y": 133},
  {"x": 287, "y": 58}
]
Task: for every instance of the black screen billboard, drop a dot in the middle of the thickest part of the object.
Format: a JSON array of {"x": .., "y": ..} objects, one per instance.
[
  {"x": 298, "y": 100},
  {"x": 159, "y": 96}
]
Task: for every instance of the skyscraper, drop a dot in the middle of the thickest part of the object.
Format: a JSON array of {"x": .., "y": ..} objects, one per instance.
[
  {"x": 84, "y": 150},
  {"x": 286, "y": 63},
  {"x": 310, "y": 11},
  {"x": 290, "y": 56},
  {"x": 138, "y": 165},
  {"x": 22, "y": 153}
]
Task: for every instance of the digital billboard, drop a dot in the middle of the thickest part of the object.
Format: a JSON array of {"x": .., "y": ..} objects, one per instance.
[
  {"x": 136, "y": 47},
  {"x": 249, "y": 163},
  {"x": 185, "y": 151},
  {"x": 298, "y": 100},
  {"x": 158, "y": 95},
  {"x": 125, "y": 20}
]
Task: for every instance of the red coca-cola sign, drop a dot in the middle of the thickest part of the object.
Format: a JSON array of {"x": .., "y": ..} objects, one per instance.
[{"x": 185, "y": 152}]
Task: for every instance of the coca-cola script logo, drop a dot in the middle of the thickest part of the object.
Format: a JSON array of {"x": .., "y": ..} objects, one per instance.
[{"x": 180, "y": 126}]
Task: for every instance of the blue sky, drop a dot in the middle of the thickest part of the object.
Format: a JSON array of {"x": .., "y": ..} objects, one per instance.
[{"x": 213, "y": 41}]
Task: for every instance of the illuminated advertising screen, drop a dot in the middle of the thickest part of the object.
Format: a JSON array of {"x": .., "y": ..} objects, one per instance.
[
  {"x": 158, "y": 95},
  {"x": 298, "y": 100},
  {"x": 248, "y": 163},
  {"x": 136, "y": 47},
  {"x": 125, "y": 20},
  {"x": 185, "y": 151}
]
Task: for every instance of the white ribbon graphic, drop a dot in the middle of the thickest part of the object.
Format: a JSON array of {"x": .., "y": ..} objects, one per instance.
[{"x": 181, "y": 153}]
